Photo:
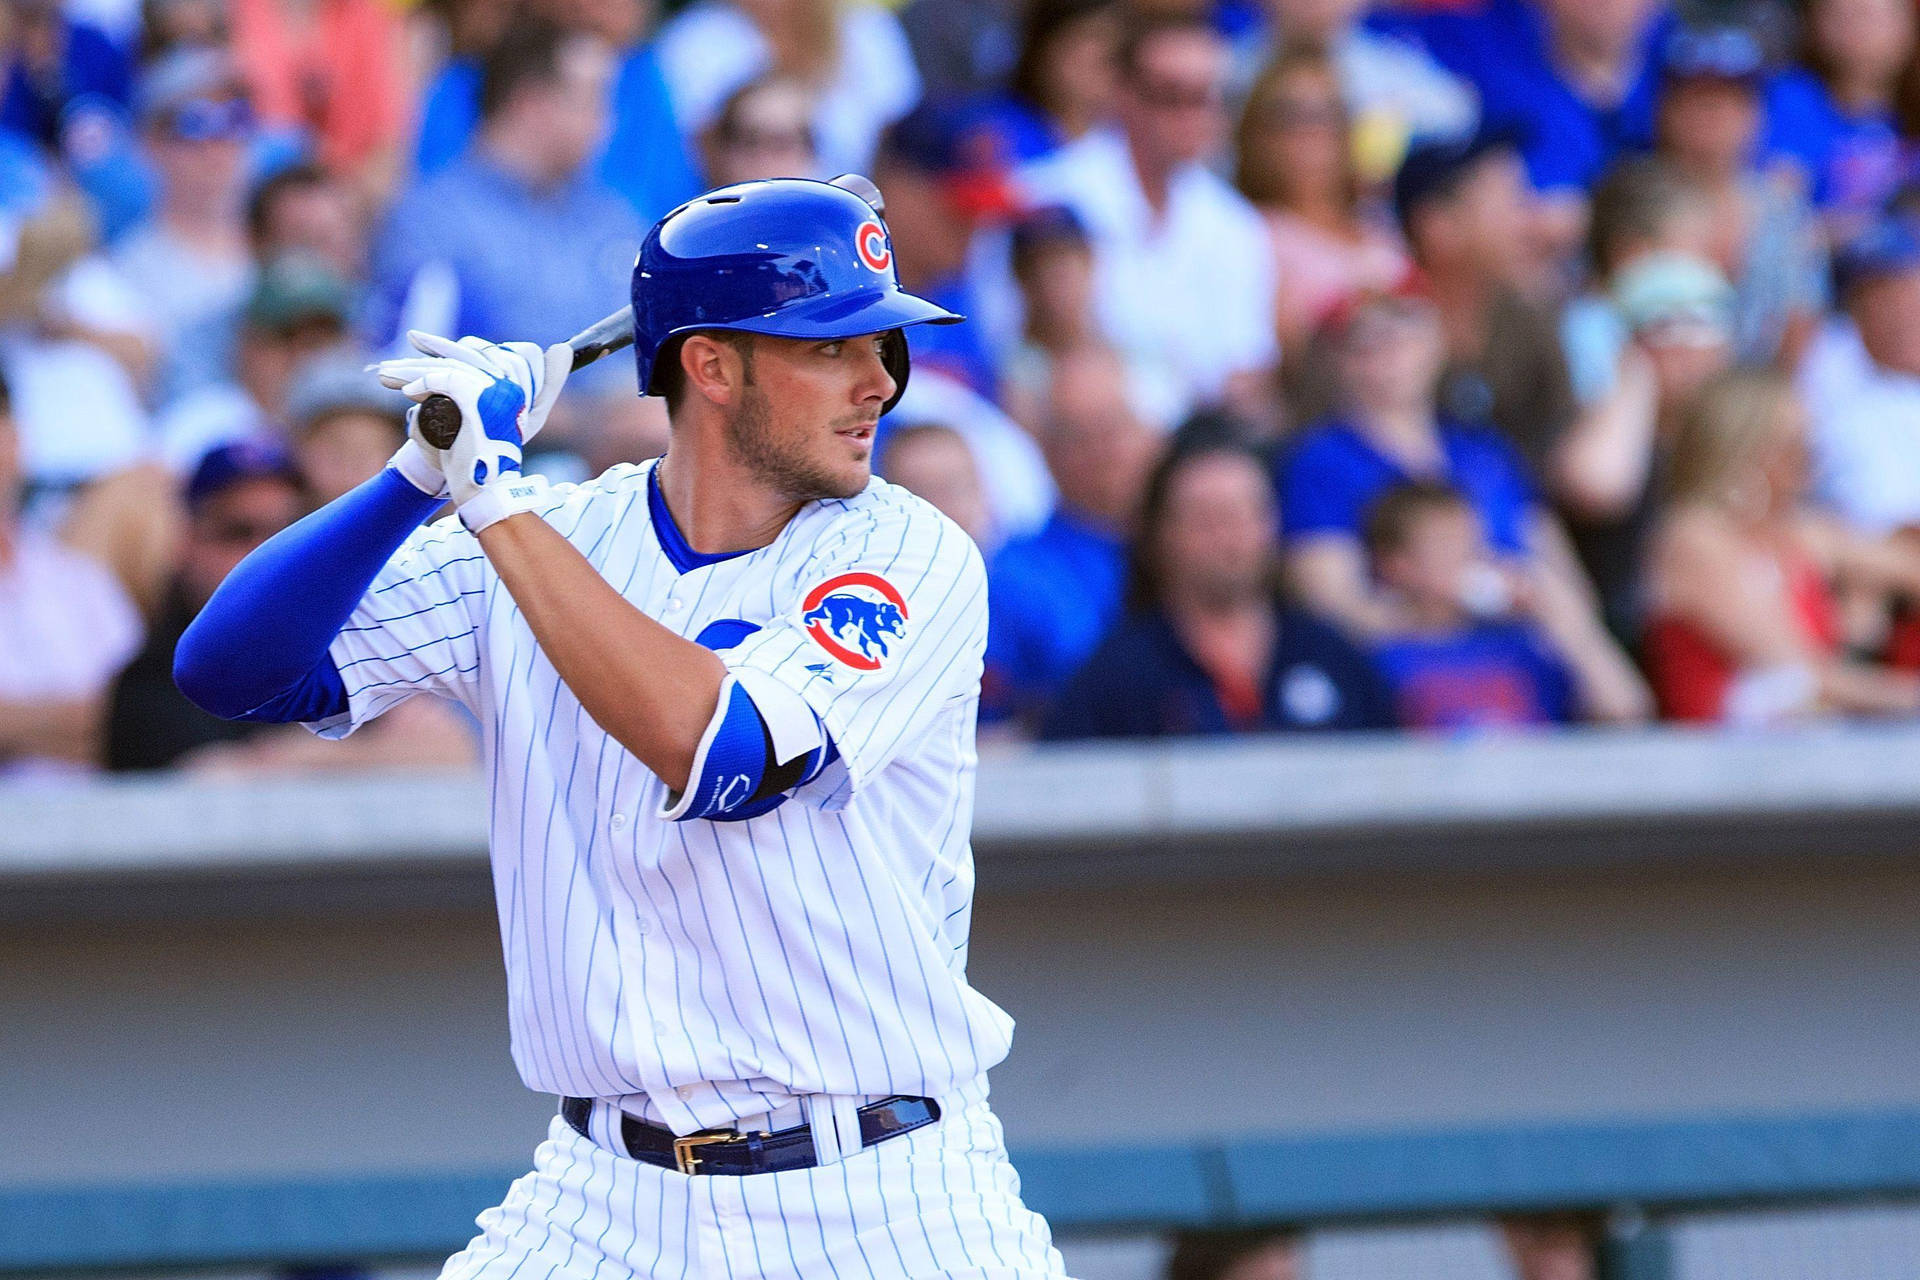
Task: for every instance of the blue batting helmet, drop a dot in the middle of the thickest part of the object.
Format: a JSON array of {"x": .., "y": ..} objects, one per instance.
[{"x": 788, "y": 257}]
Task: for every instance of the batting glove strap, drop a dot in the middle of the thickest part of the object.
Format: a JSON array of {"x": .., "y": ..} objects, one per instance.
[{"x": 506, "y": 496}]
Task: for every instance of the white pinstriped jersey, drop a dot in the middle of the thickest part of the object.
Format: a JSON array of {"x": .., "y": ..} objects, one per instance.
[{"x": 720, "y": 968}]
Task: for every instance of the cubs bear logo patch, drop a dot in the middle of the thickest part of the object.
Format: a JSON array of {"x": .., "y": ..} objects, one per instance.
[{"x": 857, "y": 618}]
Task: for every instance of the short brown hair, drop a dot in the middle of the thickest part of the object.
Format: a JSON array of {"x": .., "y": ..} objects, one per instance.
[
  {"x": 1392, "y": 517},
  {"x": 670, "y": 380}
]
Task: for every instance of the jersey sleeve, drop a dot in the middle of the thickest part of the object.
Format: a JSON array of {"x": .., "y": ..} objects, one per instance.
[
  {"x": 883, "y": 627},
  {"x": 417, "y": 629}
]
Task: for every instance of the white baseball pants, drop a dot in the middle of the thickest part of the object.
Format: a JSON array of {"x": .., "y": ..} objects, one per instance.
[{"x": 940, "y": 1203}]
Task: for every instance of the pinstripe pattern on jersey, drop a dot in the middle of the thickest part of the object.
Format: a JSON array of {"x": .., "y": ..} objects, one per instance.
[
  {"x": 940, "y": 1202},
  {"x": 705, "y": 971}
]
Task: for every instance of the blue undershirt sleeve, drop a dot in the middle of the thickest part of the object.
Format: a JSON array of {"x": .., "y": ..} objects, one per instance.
[{"x": 258, "y": 651}]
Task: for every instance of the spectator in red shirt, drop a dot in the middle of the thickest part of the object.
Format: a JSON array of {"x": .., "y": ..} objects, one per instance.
[{"x": 1745, "y": 628}]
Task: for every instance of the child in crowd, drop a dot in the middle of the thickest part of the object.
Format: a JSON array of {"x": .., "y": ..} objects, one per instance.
[
  {"x": 1458, "y": 659},
  {"x": 1476, "y": 645}
]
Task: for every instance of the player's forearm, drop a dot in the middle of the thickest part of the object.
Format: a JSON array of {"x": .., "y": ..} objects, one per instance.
[
  {"x": 272, "y": 620},
  {"x": 652, "y": 690}
]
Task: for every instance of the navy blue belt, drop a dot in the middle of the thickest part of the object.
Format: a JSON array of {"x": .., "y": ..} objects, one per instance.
[{"x": 724, "y": 1151}]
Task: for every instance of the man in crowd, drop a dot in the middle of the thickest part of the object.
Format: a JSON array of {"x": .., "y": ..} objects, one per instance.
[
  {"x": 66, "y": 626},
  {"x": 942, "y": 179},
  {"x": 1208, "y": 646},
  {"x": 1861, "y": 380},
  {"x": 190, "y": 260},
  {"x": 453, "y": 255},
  {"x": 1055, "y": 592},
  {"x": 305, "y": 209},
  {"x": 643, "y": 156},
  {"x": 299, "y": 308},
  {"x": 1577, "y": 80},
  {"x": 1183, "y": 264},
  {"x": 240, "y": 495}
]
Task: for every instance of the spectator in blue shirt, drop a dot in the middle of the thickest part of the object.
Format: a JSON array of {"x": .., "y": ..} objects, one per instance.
[
  {"x": 1839, "y": 116},
  {"x": 1207, "y": 646},
  {"x": 1575, "y": 80},
  {"x": 451, "y": 257},
  {"x": 1053, "y": 594},
  {"x": 1475, "y": 646},
  {"x": 1388, "y": 348},
  {"x": 56, "y": 63},
  {"x": 643, "y": 156}
]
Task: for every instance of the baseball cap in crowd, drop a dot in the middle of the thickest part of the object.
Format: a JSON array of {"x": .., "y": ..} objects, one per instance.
[
  {"x": 956, "y": 147},
  {"x": 1886, "y": 248},
  {"x": 1685, "y": 296},
  {"x": 1406, "y": 294},
  {"x": 1730, "y": 54},
  {"x": 1043, "y": 228},
  {"x": 296, "y": 288},
  {"x": 1435, "y": 168},
  {"x": 226, "y": 465},
  {"x": 196, "y": 94},
  {"x": 337, "y": 382}
]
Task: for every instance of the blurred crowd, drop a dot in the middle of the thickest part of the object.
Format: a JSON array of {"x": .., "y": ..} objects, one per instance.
[{"x": 1449, "y": 365}]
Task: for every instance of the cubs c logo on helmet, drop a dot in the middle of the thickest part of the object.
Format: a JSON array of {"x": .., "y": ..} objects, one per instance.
[
  {"x": 870, "y": 242},
  {"x": 856, "y": 617}
]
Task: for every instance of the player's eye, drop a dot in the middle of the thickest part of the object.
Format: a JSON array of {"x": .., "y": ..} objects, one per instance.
[{"x": 832, "y": 348}]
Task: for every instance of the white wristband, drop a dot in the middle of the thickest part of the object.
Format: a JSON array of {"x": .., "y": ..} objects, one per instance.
[
  {"x": 502, "y": 498},
  {"x": 418, "y": 470}
]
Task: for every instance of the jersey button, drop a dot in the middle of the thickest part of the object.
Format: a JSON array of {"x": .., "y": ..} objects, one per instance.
[
  {"x": 675, "y": 605},
  {"x": 618, "y": 822},
  {"x": 645, "y": 926},
  {"x": 659, "y": 1028},
  {"x": 685, "y": 1091}
]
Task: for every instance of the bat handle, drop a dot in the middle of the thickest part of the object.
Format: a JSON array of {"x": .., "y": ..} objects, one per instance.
[{"x": 439, "y": 421}]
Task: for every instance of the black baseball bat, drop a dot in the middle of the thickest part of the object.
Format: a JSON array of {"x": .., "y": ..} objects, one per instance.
[{"x": 440, "y": 416}]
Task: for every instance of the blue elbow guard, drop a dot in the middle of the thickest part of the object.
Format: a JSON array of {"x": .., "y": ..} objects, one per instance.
[{"x": 762, "y": 743}]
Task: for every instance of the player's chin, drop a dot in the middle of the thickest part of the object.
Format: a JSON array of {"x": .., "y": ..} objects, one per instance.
[{"x": 852, "y": 464}]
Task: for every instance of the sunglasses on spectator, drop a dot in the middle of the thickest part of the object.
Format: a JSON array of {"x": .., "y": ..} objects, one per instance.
[
  {"x": 1167, "y": 95},
  {"x": 211, "y": 120}
]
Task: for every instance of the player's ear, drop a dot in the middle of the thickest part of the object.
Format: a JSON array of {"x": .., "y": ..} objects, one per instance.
[{"x": 713, "y": 368}]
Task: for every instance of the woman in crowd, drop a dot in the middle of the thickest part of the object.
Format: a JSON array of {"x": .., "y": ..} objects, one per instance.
[
  {"x": 1844, "y": 115},
  {"x": 1207, "y": 645},
  {"x": 1063, "y": 79},
  {"x": 1744, "y": 570},
  {"x": 1296, "y": 164}
]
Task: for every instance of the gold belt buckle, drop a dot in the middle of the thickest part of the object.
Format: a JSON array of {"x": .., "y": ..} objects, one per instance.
[{"x": 686, "y": 1159}]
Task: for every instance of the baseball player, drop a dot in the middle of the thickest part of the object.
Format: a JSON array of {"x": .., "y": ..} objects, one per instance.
[{"x": 728, "y": 701}]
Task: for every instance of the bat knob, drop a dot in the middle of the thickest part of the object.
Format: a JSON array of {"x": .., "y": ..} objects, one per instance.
[{"x": 439, "y": 421}]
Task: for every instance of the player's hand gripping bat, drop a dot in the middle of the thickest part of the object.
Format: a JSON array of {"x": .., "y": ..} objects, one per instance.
[{"x": 440, "y": 416}]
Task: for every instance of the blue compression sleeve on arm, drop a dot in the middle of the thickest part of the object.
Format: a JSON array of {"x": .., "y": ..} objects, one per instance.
[{"x": 258, "y": 651}]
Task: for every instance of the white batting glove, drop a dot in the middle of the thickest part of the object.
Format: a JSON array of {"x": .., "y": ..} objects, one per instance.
[{"x": 504, "y": 392}]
